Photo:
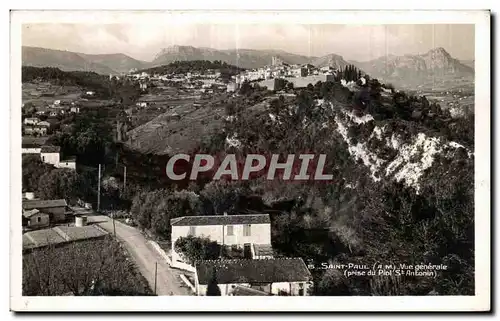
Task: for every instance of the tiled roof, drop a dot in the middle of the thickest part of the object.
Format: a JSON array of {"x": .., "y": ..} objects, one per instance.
[
  {"x": 239, "y": 290},
  {"x": 60, "y": 234},
  {"x": 31, "y": 204},
  {"x": 50, "y": 149},
  {"x": 74, "y": 233},
  {"x": 221, "y": 220},
  {"x": 30, "y": 213},
  {"x": 253, "y": 271},
  {"x": 41, "y": 238}
]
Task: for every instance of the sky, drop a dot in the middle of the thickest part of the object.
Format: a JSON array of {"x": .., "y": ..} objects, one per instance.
[{"x": 353, "y": 42}]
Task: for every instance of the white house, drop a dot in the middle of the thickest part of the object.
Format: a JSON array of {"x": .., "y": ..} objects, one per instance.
[
  {"x": 90, "y": 93},
  {"x": 31, "y": 121},
  {"x": 279, "y": 276},
  {"x": 232, "y": 87},
  {"x": 57, "y": 102},
  {"x": 67, "y": 163},
  {"x": 242, "y": 231},
  {"x": 50, "y": 154},
  {"x": 75, "y": 110}
]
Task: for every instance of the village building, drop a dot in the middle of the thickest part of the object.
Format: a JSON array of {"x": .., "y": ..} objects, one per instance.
[
  {"x": 31, "y": 121},
  {"x": 56, "y": 209},
  {"x": 35, "y": 130},
  {"x": 35, "y": 219},
  {"x": 279, "y": 276},
  {"x": 45, "y": 124},
  {"x": 50, "y": 154},
  {"x": 32, "y": 145},
  {"x": 232, "y": 87},
  {"x": 242, "y": 231},
  {"x": 67, "y": 163}
]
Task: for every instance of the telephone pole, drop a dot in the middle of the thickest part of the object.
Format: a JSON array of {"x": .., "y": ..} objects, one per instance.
[
  {"x": 156, "y": 274},
  {"x": 124, "y": 177},
  {"x": 99, "y": 189}
]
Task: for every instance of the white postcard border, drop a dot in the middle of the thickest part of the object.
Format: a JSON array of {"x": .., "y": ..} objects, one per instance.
[{"x": 479, "y": 302}]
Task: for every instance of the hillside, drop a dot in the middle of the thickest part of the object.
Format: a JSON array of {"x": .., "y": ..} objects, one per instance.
[
  {"x": 332, "y": 60},
  {"x": 402, "y": 188},
  {"x": 64, "y": 60},
  {"x": 119, "y": 62},
  {"x": 469, "y": 63},
  {"x": 435, "y": 63},
  {"x": 72, "y": 61},
  {"x": 244, "y": 58}
]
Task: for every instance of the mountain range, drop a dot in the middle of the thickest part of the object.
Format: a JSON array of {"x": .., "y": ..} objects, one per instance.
[
  {"x": 435, "y": 63},
  {"x": 73, "y": 61}
]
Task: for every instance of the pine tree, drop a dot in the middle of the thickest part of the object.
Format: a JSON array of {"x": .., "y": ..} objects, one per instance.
[{"x": 212, "y": 287}]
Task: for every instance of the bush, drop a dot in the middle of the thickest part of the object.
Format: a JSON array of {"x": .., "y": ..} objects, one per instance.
[{"x": 193, "y": 248}]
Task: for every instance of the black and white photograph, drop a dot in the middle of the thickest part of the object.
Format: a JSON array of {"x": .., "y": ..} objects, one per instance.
[{"x": 247, "y": 154}]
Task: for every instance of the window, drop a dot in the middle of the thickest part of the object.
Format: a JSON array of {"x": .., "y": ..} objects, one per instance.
[
  {"x": 38, "y": 219},
  {"x": 247, "y": 230},
  {"x": 192, "y": 230},
  {"x": 230, "y": 231}
]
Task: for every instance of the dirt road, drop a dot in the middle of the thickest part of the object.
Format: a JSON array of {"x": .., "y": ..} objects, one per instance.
[{"x": 145, "y": 256}]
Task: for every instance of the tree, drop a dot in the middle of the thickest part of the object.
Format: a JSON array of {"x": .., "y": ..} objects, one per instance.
[
  {"x": 79, "y": 269},
  {"x": 33, "y": 168},
  {"x": 212, "y": 287},
  {"x": 224, "y": 196},
  {"x": 154, "y": 209},
  {"x": 63, "y": 183},
  {"x": 194, "y": 248}
]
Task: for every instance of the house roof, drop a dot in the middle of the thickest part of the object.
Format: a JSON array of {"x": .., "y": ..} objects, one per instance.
[
  {"x": 60, "y": 234},
  {"x": 253, "y": 271},
  {"x": 30, "y": 213},
  {"x": 239, "y": 290},
  {"x": 221, "y": 220},
  {"x": 50, "y": 149},
  {"x": 32, "y": 204},
  {"x": 28, "y": 141},
  {"x": 69, "y": 159}
]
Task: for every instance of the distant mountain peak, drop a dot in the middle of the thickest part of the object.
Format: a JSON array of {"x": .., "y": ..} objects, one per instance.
[
  {"x": 408, "y": 68},
  {"x": 439, "y": 51}
]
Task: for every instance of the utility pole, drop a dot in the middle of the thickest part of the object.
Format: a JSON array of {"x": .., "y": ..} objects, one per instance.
[
  {"x": 156, "y": 273},
  {"x": 114, "y": 228},
  {"x": 99, "y": 189},
  {"x": 124, "y": 177}
]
